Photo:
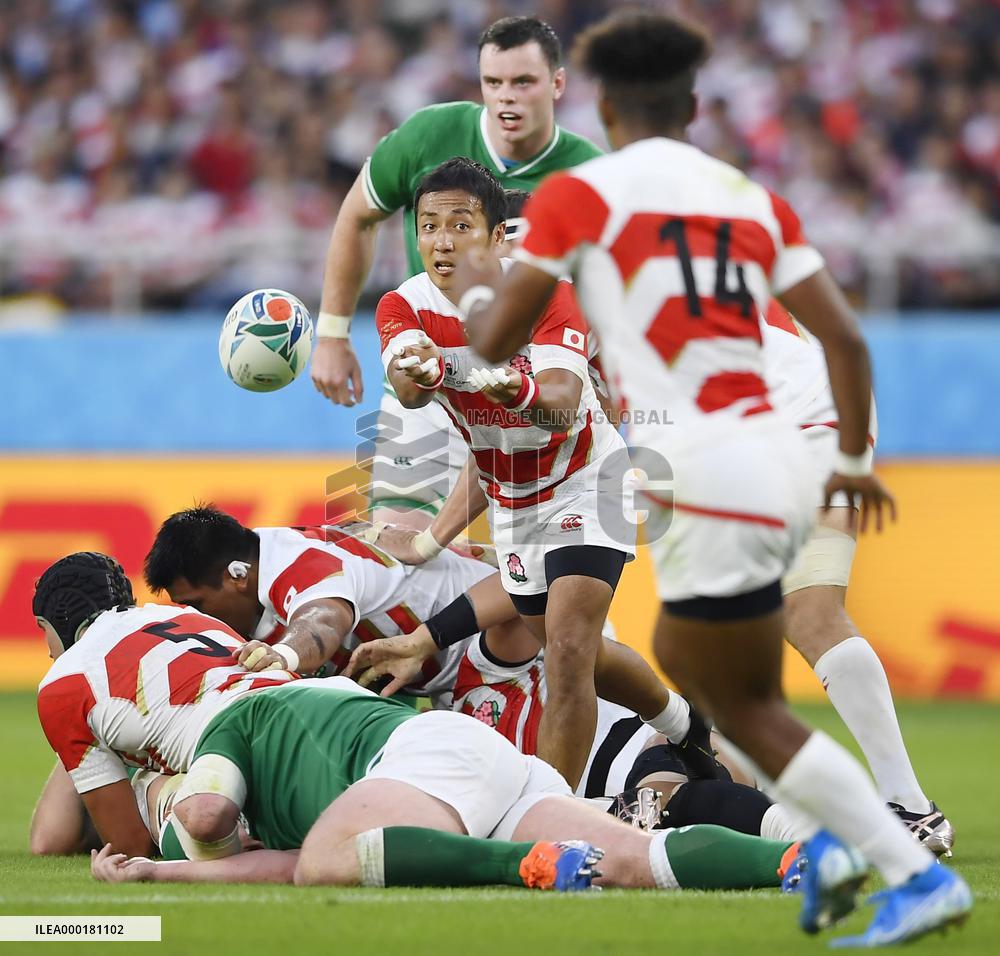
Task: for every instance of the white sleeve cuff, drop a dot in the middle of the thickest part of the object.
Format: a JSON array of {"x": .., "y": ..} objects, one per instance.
[{"x": 794, "y": 263}]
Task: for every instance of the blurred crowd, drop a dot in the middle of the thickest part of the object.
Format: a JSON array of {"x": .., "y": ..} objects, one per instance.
[{"x": 175, "y": 153}]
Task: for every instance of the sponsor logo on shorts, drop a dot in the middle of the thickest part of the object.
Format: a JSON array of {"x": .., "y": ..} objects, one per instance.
[
  {"x": 403, "y": 461},
  {"x": 515, "y": 568}
]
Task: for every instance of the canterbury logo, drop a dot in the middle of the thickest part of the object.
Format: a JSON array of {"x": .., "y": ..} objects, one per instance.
[{"x": 571, "y": 523}]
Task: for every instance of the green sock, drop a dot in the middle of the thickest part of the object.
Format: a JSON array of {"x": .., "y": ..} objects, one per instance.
[
  {"x": 707, "y": 857},
  {"x": 415, "y": 856}
]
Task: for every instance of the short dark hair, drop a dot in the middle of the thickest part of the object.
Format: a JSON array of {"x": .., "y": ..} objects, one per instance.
[
  {"x": 470, "y": 177},
  {"x": 198, "y": 544},
  {"x": 516, "y": 198},
  {"x": 517, "y": 31},
  {"x": 646, "y": 62}
]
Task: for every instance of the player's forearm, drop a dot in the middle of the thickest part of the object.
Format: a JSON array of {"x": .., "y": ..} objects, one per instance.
[
  {"x": 498, "y": 329},
  {"x": 557, "y": 406},
  {"x": 410, "y": 394},
  {"x": 851, "y": 383},
  {"x": 350, "y": 253},
  {"x": 315, "y": 633},
  {"x": 819, "y": 304},
  {"x": 466, "y": 502},
  {"x": 60, "y": 825},
  {"x": 257, "y": 866}
]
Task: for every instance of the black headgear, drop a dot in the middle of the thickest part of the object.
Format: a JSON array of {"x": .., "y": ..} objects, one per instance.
[{"x": 74, "y": 590}]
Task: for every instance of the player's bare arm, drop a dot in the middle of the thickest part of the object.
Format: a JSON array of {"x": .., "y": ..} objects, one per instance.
[
  {"x": 335, "y": 370},
  {"x": 261, "y": 866},
  {"x": 500, "y": 324},
  {"x": 314, "y": 633},
  {"x": 466, "y": 502},
  {"x": 60, "y": 825},
  {"x": 116, "y": 817},
  {"x": 820, "y": 305}
]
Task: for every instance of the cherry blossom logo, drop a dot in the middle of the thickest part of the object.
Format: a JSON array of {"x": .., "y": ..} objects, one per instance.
[{"x": 515, "y": 568}]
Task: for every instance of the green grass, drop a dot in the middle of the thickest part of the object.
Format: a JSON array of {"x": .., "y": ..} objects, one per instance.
[{"x": 951, "y": 745}]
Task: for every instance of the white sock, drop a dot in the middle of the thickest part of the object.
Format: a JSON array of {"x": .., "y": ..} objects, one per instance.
[
  {"x": 674, "y": 721},
  {"x": 659, "y": 863},
  {"x": 778, "y": 824},
  {"x": 855, "y": 680},
  {"x": 826, "y": 782}
]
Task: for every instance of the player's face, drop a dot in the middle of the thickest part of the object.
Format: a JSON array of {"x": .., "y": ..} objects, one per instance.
[
  {"x": 232, "y": 602},
  {"x": 451, "y": 224},
  {"x": 51, "y": 638},
  {"x": 519, "y": 91}
]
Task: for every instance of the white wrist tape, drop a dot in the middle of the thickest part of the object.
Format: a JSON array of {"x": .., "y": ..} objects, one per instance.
[
  {"x": 477, "y": 295},
  {"x": 330, "y": 326},
  {"x": 426, "y": 545},
  {"x": 853, "y": 466},
  {"x": 288, "y": 654}
]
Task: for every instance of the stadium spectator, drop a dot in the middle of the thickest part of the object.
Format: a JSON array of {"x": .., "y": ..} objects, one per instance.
[{"x": 877, "y": 117}]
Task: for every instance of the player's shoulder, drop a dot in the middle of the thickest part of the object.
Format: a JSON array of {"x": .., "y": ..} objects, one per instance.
[
  {"x": 576, "y": 148},
  {"x": 420, "y": 294},
  {"x": 445, "y": 116}
]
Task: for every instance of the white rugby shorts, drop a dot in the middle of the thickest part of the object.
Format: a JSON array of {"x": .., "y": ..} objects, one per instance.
[
  {"x": 471, "y": 768},
  {"x": 739, "y": 509},
  {"x": 588, "y": 509}
]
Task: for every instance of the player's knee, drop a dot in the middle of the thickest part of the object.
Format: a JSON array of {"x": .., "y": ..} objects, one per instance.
[
  {"x": 207, "y": 817},
  {"x": 570, "y": 657}
]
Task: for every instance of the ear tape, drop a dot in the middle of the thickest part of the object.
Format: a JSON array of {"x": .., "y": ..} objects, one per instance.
[{"x": 238, "y": 569}]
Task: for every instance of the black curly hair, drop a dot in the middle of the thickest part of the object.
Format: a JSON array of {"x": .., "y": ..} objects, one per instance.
[{"x": 646, "y": 64}]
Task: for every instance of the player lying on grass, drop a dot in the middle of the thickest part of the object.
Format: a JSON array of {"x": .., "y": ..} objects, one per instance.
[
  {"x": 358, "y": 790},
  {"x": 319, "y": 592},
  {"x": 815, "y": 587},
  {"x": 509, "y": 695},
  {"x": 674, "y": 255}
]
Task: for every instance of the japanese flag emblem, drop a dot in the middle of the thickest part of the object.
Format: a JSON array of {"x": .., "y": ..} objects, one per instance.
[{"x": 574, "y": 339}]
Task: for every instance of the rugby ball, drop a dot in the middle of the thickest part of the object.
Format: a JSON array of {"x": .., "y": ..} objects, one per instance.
[{"x": 266, "y": 340}]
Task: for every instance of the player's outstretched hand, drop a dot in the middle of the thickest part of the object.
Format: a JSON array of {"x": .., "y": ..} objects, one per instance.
[
  {"x": 399, "y": 657},
  {"x": 335, "y": 371},
  {"x": 865, "y": 492},
  {"x": 257, "y": 656},
  {"x": 499, "y": 385},
  {"x": 108, "y": 867},
  {"x": 398, "y": 543},
  {"x": 420, "y": 361}
]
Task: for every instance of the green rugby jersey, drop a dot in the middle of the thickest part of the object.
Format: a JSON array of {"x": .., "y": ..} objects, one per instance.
[
  {"x": 300, "y": 749},
  {"x": 439, "y": 133}
]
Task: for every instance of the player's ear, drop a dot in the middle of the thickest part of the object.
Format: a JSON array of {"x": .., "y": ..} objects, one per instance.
[
  {"x": 499, "y": 233},
  {"x": 606, "y": 111},
  {"x": 558, "y": 83},
  {"x": 239, "y": 574}
]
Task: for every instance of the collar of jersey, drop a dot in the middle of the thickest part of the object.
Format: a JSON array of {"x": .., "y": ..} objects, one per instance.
[{"x": 495, "y": 156}]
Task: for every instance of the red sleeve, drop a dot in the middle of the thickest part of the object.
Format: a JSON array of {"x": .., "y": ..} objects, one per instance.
[
  {"x": 63, "y": 708},
  {"x": 392, "y": 316},
  {"x": 791, "y": 227},
  {"x": 562, "y": 323},
  {"x": 309, "y": 568},
  {"x": 563, "y": 213}
]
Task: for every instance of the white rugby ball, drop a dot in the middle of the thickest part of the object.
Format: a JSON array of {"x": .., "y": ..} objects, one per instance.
[{"x": 266, "y": 340}]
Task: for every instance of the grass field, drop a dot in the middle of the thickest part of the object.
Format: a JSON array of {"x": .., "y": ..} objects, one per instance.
[{"x": 950, "y": 743}]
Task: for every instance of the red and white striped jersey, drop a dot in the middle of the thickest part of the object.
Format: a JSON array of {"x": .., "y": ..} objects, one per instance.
[
  {"x": 797, "y": 376},
  {"x": 520, "y": 464},
  {"x": 674, "y": 255},
  {"x": 510, "y": 698},
  {"x": 300, "y": 565},
  {"x": 139, "y": 688}
]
